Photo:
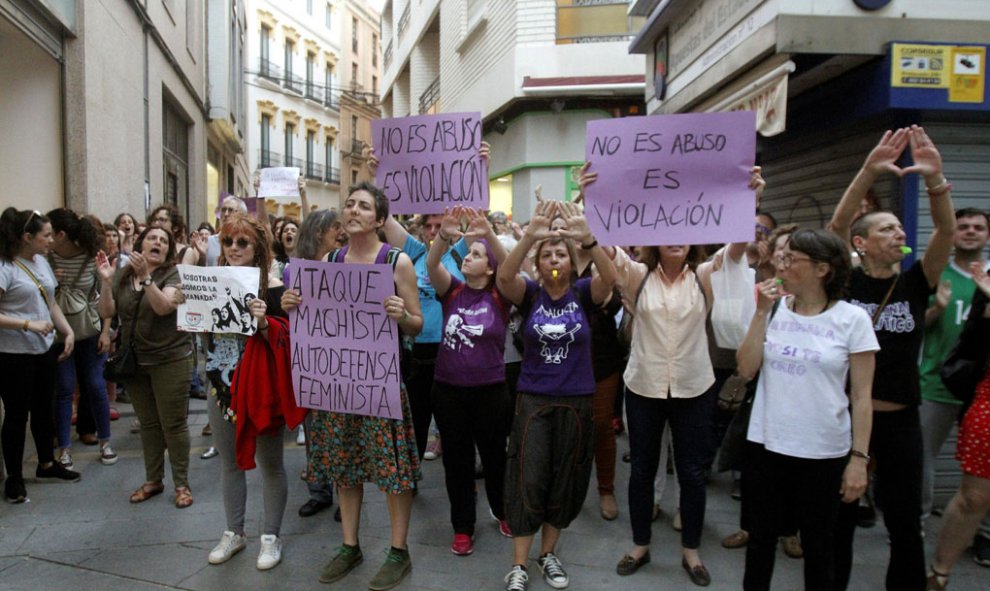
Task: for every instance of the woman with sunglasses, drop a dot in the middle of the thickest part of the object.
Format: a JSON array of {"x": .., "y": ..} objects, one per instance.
[
  {"x": 29, "y": 318},
  {"x": 350, "y": 449},
  {"x": 896, "y": 299},
  {"x": 144, "y": 295},
  {"x": 805, "y": 444},
  {"x": 245, "y": 243}
]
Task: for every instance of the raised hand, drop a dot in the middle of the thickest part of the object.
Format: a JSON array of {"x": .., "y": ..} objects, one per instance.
[
  {"x": 927, "y": 160},
  {"x": 371, "y": 161},
  {"x": 539, "y": 224},
  {"x": 485, "y": 152},
  {"x": 450, "y": 225},
  {"x": 944, "y": 293},
  {"x": 584, "y": 179},
  {"x": 980, "y": 277},
  {"x": 576, "y": 225},
  {"x": 757, "y": 182},
  {"x": 884, "y": 156},
  {"x": 103, "y": 267},
  {"x": 478, "y": 226},
  {"x": 767, "y": 292}
]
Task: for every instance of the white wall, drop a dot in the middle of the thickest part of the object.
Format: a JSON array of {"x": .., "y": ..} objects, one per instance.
[{"x": 31, "y": 120}]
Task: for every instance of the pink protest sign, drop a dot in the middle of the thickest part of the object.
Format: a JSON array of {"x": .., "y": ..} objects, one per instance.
[
  {"x": 671, "y": 179},
  {"x": 345, "y": 349},
  {"x": 430, "y": 162}
]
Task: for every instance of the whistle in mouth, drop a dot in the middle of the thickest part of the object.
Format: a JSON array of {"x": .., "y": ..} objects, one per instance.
[
  {"x": 778, "y": 281},
  {"x": 906, "y": 250},
  {"x": 554, "y": 273}
]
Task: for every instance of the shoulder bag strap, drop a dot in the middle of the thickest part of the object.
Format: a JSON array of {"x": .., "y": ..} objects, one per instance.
[
  {"x": 886, "y": 298},
  {"x": 41, "y": 288}
]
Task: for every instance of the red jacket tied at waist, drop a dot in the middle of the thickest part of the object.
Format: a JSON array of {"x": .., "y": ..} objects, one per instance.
[{"x": 261, "y": 390}]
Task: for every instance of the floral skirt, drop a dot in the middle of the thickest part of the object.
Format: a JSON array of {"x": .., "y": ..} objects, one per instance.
[
  {"x": 973, "y": 446},
  {"x": 349, "y": 449}
]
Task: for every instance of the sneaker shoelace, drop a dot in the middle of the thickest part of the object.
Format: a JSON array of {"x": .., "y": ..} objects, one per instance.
[
  {"x": 516, "y": 580},
  {"x": 552, "y": 567}
]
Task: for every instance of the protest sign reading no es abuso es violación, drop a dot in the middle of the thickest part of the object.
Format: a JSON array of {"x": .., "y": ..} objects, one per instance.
[
  {"x": 429, "y": 162},
  {"x": 345, "y": 348},
  {"x": 671, "y": 179}
]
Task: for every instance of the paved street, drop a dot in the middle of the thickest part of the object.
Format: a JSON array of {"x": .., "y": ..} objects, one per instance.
[{"x": 87, "y": 536}]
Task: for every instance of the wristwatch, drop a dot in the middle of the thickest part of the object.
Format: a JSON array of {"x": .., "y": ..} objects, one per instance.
[{"x": 146, "y": 282}]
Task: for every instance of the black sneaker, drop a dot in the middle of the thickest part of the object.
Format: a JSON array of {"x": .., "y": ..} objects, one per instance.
[
  {"x": 59, "y": 472},
  {"x": 981, "y": 550},
  {"x": 14, "y": 490}
]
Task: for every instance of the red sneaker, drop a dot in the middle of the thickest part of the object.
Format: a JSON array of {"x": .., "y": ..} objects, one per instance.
[{"x": 462, "y": 545}]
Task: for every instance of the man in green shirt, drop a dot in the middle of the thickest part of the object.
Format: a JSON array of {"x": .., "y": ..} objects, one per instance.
[{"x": 944, "y": 320}]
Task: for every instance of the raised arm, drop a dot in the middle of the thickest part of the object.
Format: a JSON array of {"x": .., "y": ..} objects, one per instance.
[
  {"x": 302, "y": 198},
  {"x": 737, "y": 250},
  {"x": 881, "y": 159},
  {"x": 450, "y": 231},
  {"x": 106, "y": 308},
  {"x": 577, "y": 229},
  {"x": 478, "y": 228},
  {"x": 928, "y": 163},
  {"x": 749, "y": 356},
  {"x": 508, "y": 280}
]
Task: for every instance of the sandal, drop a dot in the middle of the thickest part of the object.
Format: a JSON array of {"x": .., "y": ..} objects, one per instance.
[
  {"x": 183, "y": 497},
  {"x": 147, "y": 490}
]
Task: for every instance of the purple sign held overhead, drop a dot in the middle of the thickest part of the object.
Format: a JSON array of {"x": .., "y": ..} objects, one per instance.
[
  {"x": 345, "y": 349},
  {"x": 430, "y": 162},
  {"x": 671, "y": 179}
]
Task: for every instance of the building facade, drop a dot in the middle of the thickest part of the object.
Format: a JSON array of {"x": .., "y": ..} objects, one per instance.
[
  {"x": 361, "y": 77},
  {"x": 105, "y": 107},
  {"x": 826, "y": 78},
  {"x": 293, "y": 94},
  {"x": 537, "y": 70}
]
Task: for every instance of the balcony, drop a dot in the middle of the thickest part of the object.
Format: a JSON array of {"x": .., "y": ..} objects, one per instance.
[
  {"x": 314, "y": 92},
  {"x": 387, "y": 55},
  {"x": 297, "y": 162},
  {"x": 313, "y": 171},
  {"x": 596, "y": 23},
  {"x": 268, "y": 159},
  {"x": 357, "y": 148},
  {"x": 292, "y": 82},
  {"x": 269, "y": 70},
  {"x": 404, "y": 20},
  {"x": 331, "y": 175},
  {"x": 331, "y": 100},
  {"x": 430, "y": 97}
]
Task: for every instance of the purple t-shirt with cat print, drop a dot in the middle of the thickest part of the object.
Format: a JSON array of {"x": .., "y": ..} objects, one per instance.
[
  {"x": 557, "y": 337},
  {"x": 472, "y": 344}
]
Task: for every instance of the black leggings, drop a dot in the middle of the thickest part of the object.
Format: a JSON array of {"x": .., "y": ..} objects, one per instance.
[{"x": 29, "y": 390}]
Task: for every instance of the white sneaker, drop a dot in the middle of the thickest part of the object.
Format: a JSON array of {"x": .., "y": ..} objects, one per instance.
[
  {"x": 517, "y": 579},
  {"x": 271, "y": 552},
  {"x": 300, "y": 436},
  {"x": 230, "y": 544},
  {"x": 553, "y": 572},
  {"x": 65, "y": 458}
]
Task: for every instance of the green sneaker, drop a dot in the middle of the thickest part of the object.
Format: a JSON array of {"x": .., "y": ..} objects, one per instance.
[
  {"x": 397, "y": 565},
  {"x": 343, "y": 562}
]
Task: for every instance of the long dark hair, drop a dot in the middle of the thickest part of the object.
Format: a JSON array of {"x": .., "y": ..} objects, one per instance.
[
  {"x": 139, "y": 244},
  {"x": 311, "y": 232},
  {"x": 13, "y": 225},
  {"x": 79, "y": 230},
  {"x": 823, "y": 246},
  {"x": 240, "y": 223},
  {"x": 278, "y": 248},
  {"x": 179, "y": 229}
]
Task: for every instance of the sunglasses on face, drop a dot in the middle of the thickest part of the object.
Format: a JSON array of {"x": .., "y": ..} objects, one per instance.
[{"x": 240, "y": 242}]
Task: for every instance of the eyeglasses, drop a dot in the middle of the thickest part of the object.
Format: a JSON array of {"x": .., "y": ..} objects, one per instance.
[
  {"x": 763, "y": 230},
  {"x": 30, "y": 217},
  {"x": 786, "y": 260},
  {"x": 241, "y": 243}
]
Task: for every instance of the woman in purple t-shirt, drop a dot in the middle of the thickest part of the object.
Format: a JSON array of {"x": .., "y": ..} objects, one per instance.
[
  {"x": 550, "y": 447},
  {"x": 469, "y": 396}
]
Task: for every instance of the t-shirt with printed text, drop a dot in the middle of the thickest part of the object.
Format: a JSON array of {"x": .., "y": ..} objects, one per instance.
[{"x": 471, "y": 351}]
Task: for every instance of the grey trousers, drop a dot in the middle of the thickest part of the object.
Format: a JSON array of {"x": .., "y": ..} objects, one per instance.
[{"x": 233, "y": 480}]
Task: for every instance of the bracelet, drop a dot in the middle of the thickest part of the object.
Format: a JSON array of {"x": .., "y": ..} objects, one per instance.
[
  {"x": 858, "y": 454},
  {"x": 27, "y": 324},
  {"x": 444, "y": 238},
  {"x": 593, "y": 244},
  {"x": 940, "y": 189}
]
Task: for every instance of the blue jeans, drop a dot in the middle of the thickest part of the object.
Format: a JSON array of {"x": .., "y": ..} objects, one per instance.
[
  {"x": 86, "y": 365},
  {"x": 691, "y": 422}
]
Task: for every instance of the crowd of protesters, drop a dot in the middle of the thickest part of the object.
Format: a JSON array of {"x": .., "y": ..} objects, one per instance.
[{"x": 529, "y": 347}]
